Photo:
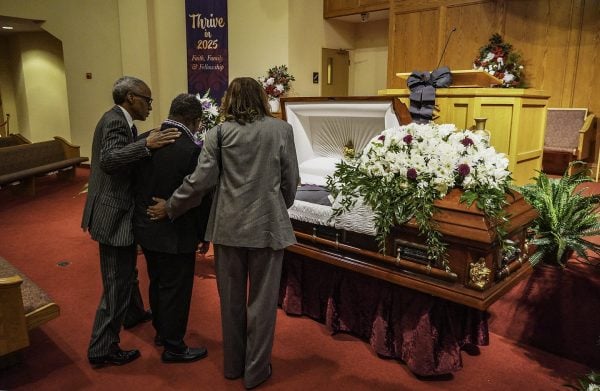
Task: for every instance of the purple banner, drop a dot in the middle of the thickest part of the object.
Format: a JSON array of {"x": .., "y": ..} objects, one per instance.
[{"x": 207, "y": 59}]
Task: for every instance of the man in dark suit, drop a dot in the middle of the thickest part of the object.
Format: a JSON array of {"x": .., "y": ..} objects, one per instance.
[
  {"x": 108, "y": 211},
  {"x": 170, "y": 246}
]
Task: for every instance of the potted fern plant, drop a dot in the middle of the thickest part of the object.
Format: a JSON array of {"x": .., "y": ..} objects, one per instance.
[
  {"x": 589, "y": 382},
  {"x": 567, "y": 217}
]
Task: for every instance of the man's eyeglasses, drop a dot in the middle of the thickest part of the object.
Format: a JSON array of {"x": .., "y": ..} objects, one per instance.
[{"x": 146, "y": 98}]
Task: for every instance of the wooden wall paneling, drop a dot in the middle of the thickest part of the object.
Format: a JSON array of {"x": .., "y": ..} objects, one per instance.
[
  {"x": 572, "y": 57},
  {"x": 442, "y": 34},
  {"x": 390, "y": 71},
  {"x": 475, "y": 23},
  {"x": 415, "y": 43},
  {"x": 587, "y": 73},
  {"x": 559, "y": 41},
  {"x": 540, "y": 31},
  {"x": 463, "y": 47}
]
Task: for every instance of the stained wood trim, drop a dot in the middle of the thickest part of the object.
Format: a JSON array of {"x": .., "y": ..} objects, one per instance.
[{"x": 42, "y": 315}]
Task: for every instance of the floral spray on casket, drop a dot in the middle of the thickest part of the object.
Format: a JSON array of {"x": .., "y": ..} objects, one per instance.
[{"x": 403, "y": 170}]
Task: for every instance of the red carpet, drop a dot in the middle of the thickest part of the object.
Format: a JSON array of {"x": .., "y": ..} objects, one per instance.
[{"x": 38, "y": 233}]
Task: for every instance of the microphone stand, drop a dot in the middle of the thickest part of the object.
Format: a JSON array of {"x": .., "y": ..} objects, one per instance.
[{"x": 445, "y": 46}]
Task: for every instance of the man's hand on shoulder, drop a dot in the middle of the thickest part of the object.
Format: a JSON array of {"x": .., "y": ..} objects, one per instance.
[{"x": 157, "y": 138}]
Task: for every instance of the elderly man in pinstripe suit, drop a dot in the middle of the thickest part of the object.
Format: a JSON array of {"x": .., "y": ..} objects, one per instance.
[{"x": 108, "y": 211}]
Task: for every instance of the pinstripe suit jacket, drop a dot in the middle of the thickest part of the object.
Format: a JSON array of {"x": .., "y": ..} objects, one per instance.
[
  {"x": 257, "y": 185},
  {"x": 108, "y": 209}
]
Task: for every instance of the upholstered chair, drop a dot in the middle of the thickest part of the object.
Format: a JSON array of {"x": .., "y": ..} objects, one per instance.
[{"x": 570, "y": 136}]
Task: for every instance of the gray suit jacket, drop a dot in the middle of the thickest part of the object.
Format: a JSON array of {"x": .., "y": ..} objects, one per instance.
[
  {"x": 109, "y": 206},
  {"x": 257, "y": 185}
]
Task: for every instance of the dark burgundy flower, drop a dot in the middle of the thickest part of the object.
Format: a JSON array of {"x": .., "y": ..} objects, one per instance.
[
  {"x": 411, "y": 173},
  {"x": 467, "y": 142},
  {"x": 407, "y": 139},
  {"x": 463, "y": 169},
  {"x": 381, "y": 138}
]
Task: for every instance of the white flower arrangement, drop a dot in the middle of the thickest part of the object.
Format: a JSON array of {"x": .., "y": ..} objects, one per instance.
[
  {"x": 278, "y": 81},
  {"x": 435, "y": 157},
  {"x": 210, "y": 115},
  {"x": 499, "y": 60},
  {"x": 274, "y": 90},
  {"x": 403, "y": 170}
]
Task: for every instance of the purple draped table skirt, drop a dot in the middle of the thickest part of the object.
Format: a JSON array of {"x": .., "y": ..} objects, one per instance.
[{"x": 425, "y": 332}]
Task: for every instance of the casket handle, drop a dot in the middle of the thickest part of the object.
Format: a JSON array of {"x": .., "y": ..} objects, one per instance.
[
  {"x": 515, "y": 264},
  {"x": 398, "y": 262}
]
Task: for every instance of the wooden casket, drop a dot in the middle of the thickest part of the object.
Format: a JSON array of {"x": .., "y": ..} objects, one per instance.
[{"x": 477, "y": 272}]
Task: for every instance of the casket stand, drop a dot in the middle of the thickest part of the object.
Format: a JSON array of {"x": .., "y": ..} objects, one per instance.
[{"x": 407, "y": 308}]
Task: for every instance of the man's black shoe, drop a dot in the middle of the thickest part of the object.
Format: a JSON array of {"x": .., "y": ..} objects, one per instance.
[
  {"x": 118, "y": 357},
  {"x": 146, "y": 317},
  {"x": 189, "y": 355}
]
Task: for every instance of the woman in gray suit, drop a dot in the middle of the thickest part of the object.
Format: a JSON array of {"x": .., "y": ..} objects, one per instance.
[{"x": 251, "y": 158}]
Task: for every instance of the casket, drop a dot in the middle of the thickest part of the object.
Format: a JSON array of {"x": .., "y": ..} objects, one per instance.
[{"x": 477, "y": 271}]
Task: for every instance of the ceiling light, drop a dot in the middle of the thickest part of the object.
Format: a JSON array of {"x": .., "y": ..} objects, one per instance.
[{"x": 7, "y": 27}]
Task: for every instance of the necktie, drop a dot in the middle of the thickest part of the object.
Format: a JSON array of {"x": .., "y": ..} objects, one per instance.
[{"x": 134, "y": 131}]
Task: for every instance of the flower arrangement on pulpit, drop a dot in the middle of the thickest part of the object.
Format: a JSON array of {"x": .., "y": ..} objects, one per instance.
[
  {"x": 499, "y": 60},
  {"x": 210, "y": 115},
  {"x": 404, "y": 170},
  {"x": 277, "y": 82}
]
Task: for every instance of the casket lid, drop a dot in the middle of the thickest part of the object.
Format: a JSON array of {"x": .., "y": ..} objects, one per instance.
[{"x": 324, "y": 126}]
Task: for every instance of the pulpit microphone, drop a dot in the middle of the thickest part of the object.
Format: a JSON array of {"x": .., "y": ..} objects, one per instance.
[{"x": 444, "y": 51}]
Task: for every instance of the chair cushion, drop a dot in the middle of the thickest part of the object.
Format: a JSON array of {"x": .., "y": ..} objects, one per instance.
[{"x": 562, "y": 128}]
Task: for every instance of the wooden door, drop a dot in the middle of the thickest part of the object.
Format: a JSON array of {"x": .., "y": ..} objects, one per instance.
[{"x": 334, "y": 70}]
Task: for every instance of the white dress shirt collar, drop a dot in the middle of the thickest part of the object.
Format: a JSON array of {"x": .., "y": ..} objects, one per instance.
[{"x": 127, "y": 116}]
